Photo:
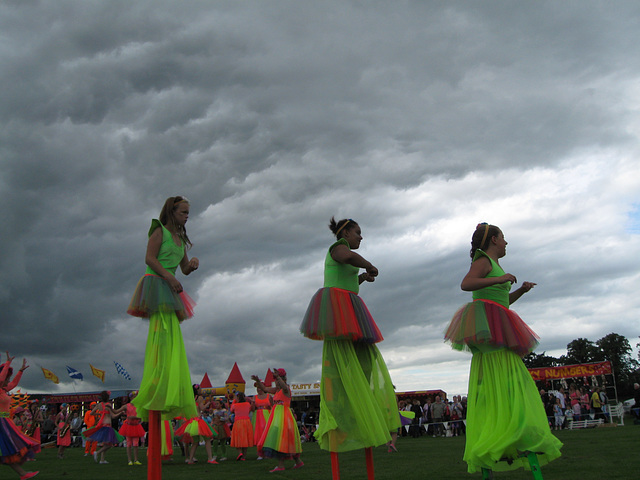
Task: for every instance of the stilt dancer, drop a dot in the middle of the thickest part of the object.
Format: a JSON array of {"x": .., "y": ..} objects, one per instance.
[
  {"x": 357, "y": 400},
  {"x": 507, "y": 426},
  {"x": 165, "y": 391}
]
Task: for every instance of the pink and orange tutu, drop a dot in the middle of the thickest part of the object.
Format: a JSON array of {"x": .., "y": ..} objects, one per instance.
[
  {"x": 153, "y": 294},
  {"x": 483, "y": 323},
  {"x": 132, "y": 428},
  {"x": 195, "y": 427},
  {"x": 338, "y": 314}
]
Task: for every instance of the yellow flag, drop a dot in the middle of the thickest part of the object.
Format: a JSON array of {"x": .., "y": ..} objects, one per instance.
[
  {"x": 48, "y": 374},
  {"x": 97, "y": 372}
]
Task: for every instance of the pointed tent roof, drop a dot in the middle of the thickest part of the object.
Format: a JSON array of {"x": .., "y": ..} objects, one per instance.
[
  {"x": 268, "y": 379},
  {"x": 205, "y": 383},
  {"x": 235, "y": 376}
]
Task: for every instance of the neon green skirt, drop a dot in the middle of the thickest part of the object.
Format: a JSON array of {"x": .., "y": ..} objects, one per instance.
[
  {"x": 358, "y": 405},
  {"x": 505, "y": 416},
  {"x": 166, "y": 380}
]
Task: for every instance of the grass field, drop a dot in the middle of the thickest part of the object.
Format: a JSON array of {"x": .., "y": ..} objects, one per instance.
[{"x": 597, "y": 453}]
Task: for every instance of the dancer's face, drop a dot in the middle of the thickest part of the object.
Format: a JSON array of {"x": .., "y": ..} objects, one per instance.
[
  {"x": 181, "y": 213},
  {"x": 353, "y": 236},
  {"x": 501, "y": 244}
]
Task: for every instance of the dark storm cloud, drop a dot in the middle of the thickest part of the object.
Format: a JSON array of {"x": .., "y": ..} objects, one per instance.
[{"x": 417, "y": 118}]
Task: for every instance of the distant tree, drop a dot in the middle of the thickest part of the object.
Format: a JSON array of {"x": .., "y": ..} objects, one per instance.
[
  {"x": 581, "y": 350},
  {"x": 535, "y": 360},
  {"x": 617, "y": 350}
]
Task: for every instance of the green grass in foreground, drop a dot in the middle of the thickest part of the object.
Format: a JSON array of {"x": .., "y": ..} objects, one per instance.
[{"x": 597, "y": 453}]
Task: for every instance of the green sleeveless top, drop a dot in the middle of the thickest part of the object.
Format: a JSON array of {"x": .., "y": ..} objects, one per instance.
[
  {"x": 170, "y": 254},
  {"x": 498, "y": 293},
  {"x": 340, "y": 275}
]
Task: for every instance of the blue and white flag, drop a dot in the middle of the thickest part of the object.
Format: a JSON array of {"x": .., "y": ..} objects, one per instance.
[
  {"x": 73, "y": 373},
  {"x": 121, "y": 370}
]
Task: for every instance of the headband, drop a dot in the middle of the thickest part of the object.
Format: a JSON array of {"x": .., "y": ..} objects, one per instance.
[
  {"x": 343, "y": 225},
  {"x": 484, "y": 237}
]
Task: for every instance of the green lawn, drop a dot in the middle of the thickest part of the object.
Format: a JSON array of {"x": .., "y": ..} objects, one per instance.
[{"x": 598, "y": 453}]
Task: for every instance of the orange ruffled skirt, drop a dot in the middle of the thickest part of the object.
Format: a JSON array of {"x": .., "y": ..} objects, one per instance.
[
  {"x": 242, "y": 433},
  {"x": 483, "y": 325}
]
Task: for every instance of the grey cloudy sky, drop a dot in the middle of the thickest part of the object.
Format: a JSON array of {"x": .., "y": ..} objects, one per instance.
[{"x": 419, "y": 119}]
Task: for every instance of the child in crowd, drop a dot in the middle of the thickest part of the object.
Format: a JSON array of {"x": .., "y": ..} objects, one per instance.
[{"x": 242, "y": 433}]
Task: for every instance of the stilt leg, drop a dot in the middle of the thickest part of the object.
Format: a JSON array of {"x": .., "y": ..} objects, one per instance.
[
  {"x": 487, "y": 474},
  {"x": 535, "y": 465},
  {"x": 154, "y": 466},
  {"x": 335, "y": 468},
  {"x": 368, "y": 453}
]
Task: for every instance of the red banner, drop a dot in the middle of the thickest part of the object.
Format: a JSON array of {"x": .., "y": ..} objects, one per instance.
[
  {"x": 569, "y": 371},
  {"x": 71, "y": 398}
]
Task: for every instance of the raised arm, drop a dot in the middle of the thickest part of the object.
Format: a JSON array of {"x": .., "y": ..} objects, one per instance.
[
  {"x": 281, "y": 383},
  {"x": 256, "y": 379},
  {"x": 17, "y": 376}
]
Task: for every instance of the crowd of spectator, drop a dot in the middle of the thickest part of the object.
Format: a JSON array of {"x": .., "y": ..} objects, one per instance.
[
  {"x": 436, "y": 417},
  {"x": 577, "y": 403},
  {"x": 433, "y": 415}
]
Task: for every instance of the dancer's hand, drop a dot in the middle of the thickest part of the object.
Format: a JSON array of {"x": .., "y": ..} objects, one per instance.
[
  {"x": 507, "y": 277},
  {"x": 367, "y": 277},
  {"x": 175, "y": 285},
  {"x": 526, "y": 286},
  {"x": 194, "y": 263}
]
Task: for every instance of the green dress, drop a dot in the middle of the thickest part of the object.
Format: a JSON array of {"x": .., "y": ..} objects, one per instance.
[
  {"x": 166, "y": 380},
  {"x": 505, "y": 415},
  {"x": 357, "y": 400}
]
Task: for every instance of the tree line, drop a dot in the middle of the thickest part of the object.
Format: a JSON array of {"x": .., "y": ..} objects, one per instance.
[{"x": 612, "y": 347}]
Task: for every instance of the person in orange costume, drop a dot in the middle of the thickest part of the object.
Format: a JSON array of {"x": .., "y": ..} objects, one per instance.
[
  {"x": 263, "y": 403},
  {"x": 90, "y": 421},
  {"x": 242, "y": 433}
]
